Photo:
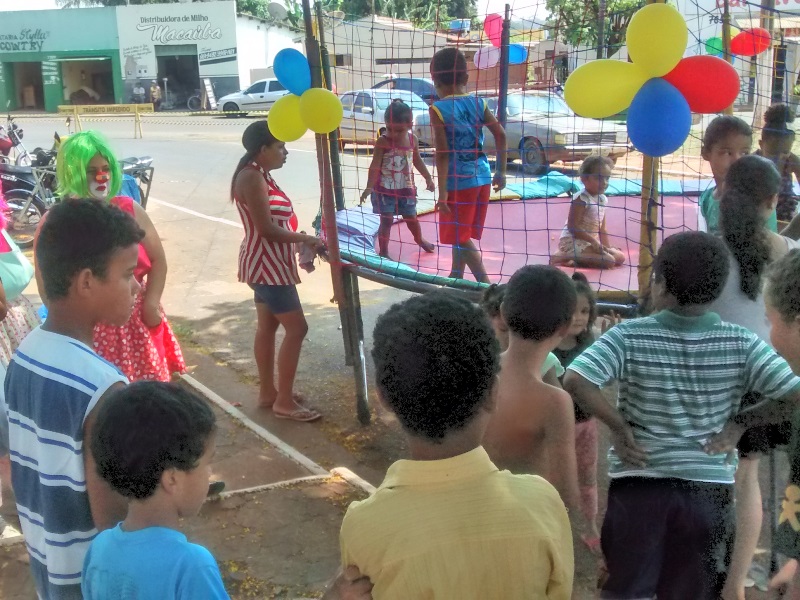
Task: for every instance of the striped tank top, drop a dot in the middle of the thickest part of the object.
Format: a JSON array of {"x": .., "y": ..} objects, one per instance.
[{"x": 260, "y": 260}]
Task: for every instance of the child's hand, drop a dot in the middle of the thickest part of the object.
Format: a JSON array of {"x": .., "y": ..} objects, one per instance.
[
  {"x": 610, "y": 321},
  {"x": 430, "y": 185},
  {"x": 364, "y": 195},
  {"x": 442, "y": 206},
  {"x": 499, "y": 182}
]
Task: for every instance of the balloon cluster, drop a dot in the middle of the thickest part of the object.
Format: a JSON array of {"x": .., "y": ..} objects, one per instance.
[
  {"x": 749, "y": 42},
  {"x": 305, "y": 108},
  {"x": 659, "y": 88},
  {"x": 486, "y": 58}
]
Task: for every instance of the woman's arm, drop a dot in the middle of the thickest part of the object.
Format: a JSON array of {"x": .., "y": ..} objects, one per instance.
[
  {"x": 157, "y": 277},
  {"x": 442, "y": 159},
  {"x": 374, "y": 168},
  {"x": 420, "y": 166},
  {"x": 3, "y": 303},
  {"x": 253, "y": 190},
  {"x": 576, "y": 212},
  {"x": 500, "y": 145}
]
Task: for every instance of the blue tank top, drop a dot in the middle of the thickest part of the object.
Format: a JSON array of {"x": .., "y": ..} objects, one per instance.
[{"x": 463, "y": 118}]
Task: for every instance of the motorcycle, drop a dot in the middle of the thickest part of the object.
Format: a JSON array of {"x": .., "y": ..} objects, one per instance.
[{"x": 11, "y": 138}]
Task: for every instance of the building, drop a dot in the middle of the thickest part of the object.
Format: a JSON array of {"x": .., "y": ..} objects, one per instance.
[{"x": 97, "y": 55}]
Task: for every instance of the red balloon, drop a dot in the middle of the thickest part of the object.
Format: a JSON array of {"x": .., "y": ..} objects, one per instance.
[
  {"x": 751, "y": 42},
  {"x": 493, "y": 28},
  {"x": 709, "y": 84}
]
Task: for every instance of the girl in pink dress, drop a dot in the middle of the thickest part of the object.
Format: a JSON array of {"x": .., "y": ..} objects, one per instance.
[{"x": 145, "y": 347}]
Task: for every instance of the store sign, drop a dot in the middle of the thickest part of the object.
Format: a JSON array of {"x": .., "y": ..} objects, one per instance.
[
  {"x": 26, "y": 40},
  {"x": 165, "y": 34}
]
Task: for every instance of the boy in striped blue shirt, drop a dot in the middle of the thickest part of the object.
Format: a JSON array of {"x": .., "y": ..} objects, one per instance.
[
  {"x": 87, "y": 251},
  {"x": 682, "y": 373}
]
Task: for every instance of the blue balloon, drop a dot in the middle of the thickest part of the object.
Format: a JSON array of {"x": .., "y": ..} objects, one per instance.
[
  {"x": 292, "y": 70},
  {"x": 517, "y": 54},
  {"x": 659, "y": 118}
]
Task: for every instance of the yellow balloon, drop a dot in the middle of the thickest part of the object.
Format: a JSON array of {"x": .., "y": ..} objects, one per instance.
[
  {"x": 321, "y": 110},
  {"x": 284, "y": 119},
  {"x": 656, "y": 39},
  {"x": 603, "y": 88}
]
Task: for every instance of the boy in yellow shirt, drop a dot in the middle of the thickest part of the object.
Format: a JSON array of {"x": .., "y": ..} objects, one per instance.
[{"x": 448, "y": 523}]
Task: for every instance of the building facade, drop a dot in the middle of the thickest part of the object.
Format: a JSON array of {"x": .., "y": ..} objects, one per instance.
[{"x": 99, "y": 55}]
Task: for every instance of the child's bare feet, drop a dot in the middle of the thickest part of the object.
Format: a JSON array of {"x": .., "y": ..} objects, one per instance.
[
  {"x": 427, "y": 246},
  {"x": 783, "y": 578}
]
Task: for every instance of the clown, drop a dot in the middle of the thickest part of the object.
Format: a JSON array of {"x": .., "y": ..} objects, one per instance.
[{"x": 145, "y": 347}]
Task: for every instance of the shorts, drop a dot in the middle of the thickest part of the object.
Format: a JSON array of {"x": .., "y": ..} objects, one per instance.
[
  {"x": 764, "y": 438},
  {"x": 401, "y": 203},
  {"x": 467, "y": 215},
  {"x": 571, "y": 246},
  {"x": 278, "y": 298},
  {"x": 661, "y": 538}
]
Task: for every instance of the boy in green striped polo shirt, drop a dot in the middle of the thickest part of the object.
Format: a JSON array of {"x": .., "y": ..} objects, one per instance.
[{"x": 682, "y": 373}]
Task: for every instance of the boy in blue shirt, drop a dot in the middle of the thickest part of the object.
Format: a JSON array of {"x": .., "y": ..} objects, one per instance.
[{"x": 153, "y": 443}]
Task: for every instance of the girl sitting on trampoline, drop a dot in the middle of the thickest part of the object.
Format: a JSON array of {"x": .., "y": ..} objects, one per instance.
[
  {"x": 584, "y": 239},
  {"x": 391, "y": 176}
]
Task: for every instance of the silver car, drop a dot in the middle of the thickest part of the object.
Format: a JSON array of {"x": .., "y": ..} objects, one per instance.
[
  {"x": 362, "y": 120},
  {"x": 261, "y": 95},
  {"x": 542, "y": 129}
]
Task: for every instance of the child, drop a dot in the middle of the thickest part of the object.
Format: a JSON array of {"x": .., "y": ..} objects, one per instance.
[
  {"x": 782, "y": 295},
  {"x": 490, "y": 302},
  {"x": 776, "y": 144},
  {"x": 579, "y": 337},
  {"x": 584, "y": 240},
  {"x": 682, "y": 373},
  {"x": 458, "y": 120},
  {"x": 153, "y": 444},
  {"x": 447, "y": 523},
  {"x": 87, "y": 253},
  {"x": 533, "y": 428},
  {"x": 391, "y": 178},
  {"x": 726, "y": 140}
]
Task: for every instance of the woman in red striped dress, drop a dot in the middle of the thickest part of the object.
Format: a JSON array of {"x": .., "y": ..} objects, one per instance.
[{"x": 267, "y": 264}]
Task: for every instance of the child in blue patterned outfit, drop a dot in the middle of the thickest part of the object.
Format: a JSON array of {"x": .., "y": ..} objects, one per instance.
[{"x": 463, "y": 169}]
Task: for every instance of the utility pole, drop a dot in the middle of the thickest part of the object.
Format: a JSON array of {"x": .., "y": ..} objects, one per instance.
[
  {"x": 764, "y": 66},
  {"x": 601, "y": 28}
]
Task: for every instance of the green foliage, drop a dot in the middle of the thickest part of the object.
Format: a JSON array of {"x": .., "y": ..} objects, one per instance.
[
  {"x": 575, "y": 21},
  {"x": 422, "y": 13}
]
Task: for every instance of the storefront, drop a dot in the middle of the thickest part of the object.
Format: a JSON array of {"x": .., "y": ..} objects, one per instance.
[{"x": 99, "y": 55}]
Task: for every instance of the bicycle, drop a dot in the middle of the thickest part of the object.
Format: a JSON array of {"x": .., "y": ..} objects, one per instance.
[{"x": 195, "y": 102}]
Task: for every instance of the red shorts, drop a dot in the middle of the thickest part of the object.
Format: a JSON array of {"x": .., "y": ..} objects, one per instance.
[{"x": 467, "y": 215}]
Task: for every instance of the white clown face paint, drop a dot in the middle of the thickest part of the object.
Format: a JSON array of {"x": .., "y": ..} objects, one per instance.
[{"x": 98, "y": 176}]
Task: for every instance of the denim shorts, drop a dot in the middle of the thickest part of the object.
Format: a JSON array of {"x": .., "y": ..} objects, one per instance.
[
  {"x": 278, "y": 298},
  {"x": 402, "y": 202}
]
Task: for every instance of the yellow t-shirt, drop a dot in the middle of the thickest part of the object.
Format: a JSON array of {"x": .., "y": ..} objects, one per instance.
[{"x": 461, "y": 528}]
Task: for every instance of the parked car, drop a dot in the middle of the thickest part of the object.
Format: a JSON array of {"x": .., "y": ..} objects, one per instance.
[
  {"x": 362, "y": 120},
  {"x": 542, "y": 129},
  {"x": 259, "y": 96},
  {"x": 420, "y": 86}
]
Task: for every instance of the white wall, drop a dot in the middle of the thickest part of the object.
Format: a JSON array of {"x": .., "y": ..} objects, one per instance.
[{"x": 252, "y": 47}]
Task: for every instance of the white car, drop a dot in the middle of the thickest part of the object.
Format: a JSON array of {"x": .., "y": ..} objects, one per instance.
[
  {"x": 542, "y": 129},
  {"x": 362, "y": 121},
  {"x": 261, "y": 95}
]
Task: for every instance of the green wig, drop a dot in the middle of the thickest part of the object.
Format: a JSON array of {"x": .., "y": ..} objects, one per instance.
[{"x": 73, "y": 160}]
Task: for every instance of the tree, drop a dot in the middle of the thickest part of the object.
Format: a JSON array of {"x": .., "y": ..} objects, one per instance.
[{"x": 575, "y": 21}]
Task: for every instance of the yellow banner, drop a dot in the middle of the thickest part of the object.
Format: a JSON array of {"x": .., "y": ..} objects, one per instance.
[{"x": 105, "y": 109}]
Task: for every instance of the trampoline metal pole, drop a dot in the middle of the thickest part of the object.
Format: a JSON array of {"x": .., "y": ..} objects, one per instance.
[
  {"x": 726, "y": 41},
  {"x": 505, "y": 39}
]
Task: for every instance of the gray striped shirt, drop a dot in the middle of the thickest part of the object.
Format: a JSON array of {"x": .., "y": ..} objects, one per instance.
[{"x": 680, "y": 379}]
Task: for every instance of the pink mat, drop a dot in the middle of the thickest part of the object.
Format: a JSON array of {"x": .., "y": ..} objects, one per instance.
[{"x": 520, "y": 232}]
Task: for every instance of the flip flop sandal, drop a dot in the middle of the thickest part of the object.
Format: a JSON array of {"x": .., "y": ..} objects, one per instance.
[
  {"x": 215, "y": 488},
  {"x": 302, "y": 415}
]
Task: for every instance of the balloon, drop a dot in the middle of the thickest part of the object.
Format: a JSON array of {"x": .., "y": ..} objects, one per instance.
[
  {"x": 656, "y": 39},
  {"x": 709, "y": 84},
  {"x": 714, "y": 46},
  {"x": 292, "y": 70},
  {"x": 487, "y": 57},
  {"x": 751, "y": 42},
  {"x": 517, "y": 54},
  {"x": 321, "y": 110},
  {"x": 493, "y": 28},
  {"x": 659, "y": 118},
  {"x": 602, "y": 88},
  {"x": 284, "y": 119}
]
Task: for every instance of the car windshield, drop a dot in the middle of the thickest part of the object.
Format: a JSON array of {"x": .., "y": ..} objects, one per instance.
[
  {"x": 534, "y": 103},
  {"x": 382, "y": 101}
]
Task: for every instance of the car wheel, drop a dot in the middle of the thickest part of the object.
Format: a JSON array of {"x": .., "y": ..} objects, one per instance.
[
  {"x": 231, "y": 110},
  {"x": 534, "y": 161}
]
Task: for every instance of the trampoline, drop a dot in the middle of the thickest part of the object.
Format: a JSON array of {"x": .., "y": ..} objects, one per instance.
[{"x": 517, "y": 232}]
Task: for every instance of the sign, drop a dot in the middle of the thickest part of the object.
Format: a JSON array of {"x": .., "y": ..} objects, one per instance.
[
  {"x": 209, "y": 27},
  {"x": 58, "y": 30},
  {"x": 104, "y": 109},
  {"x": 25, "y": 40},
  {"x": 212, "y": 100}
]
